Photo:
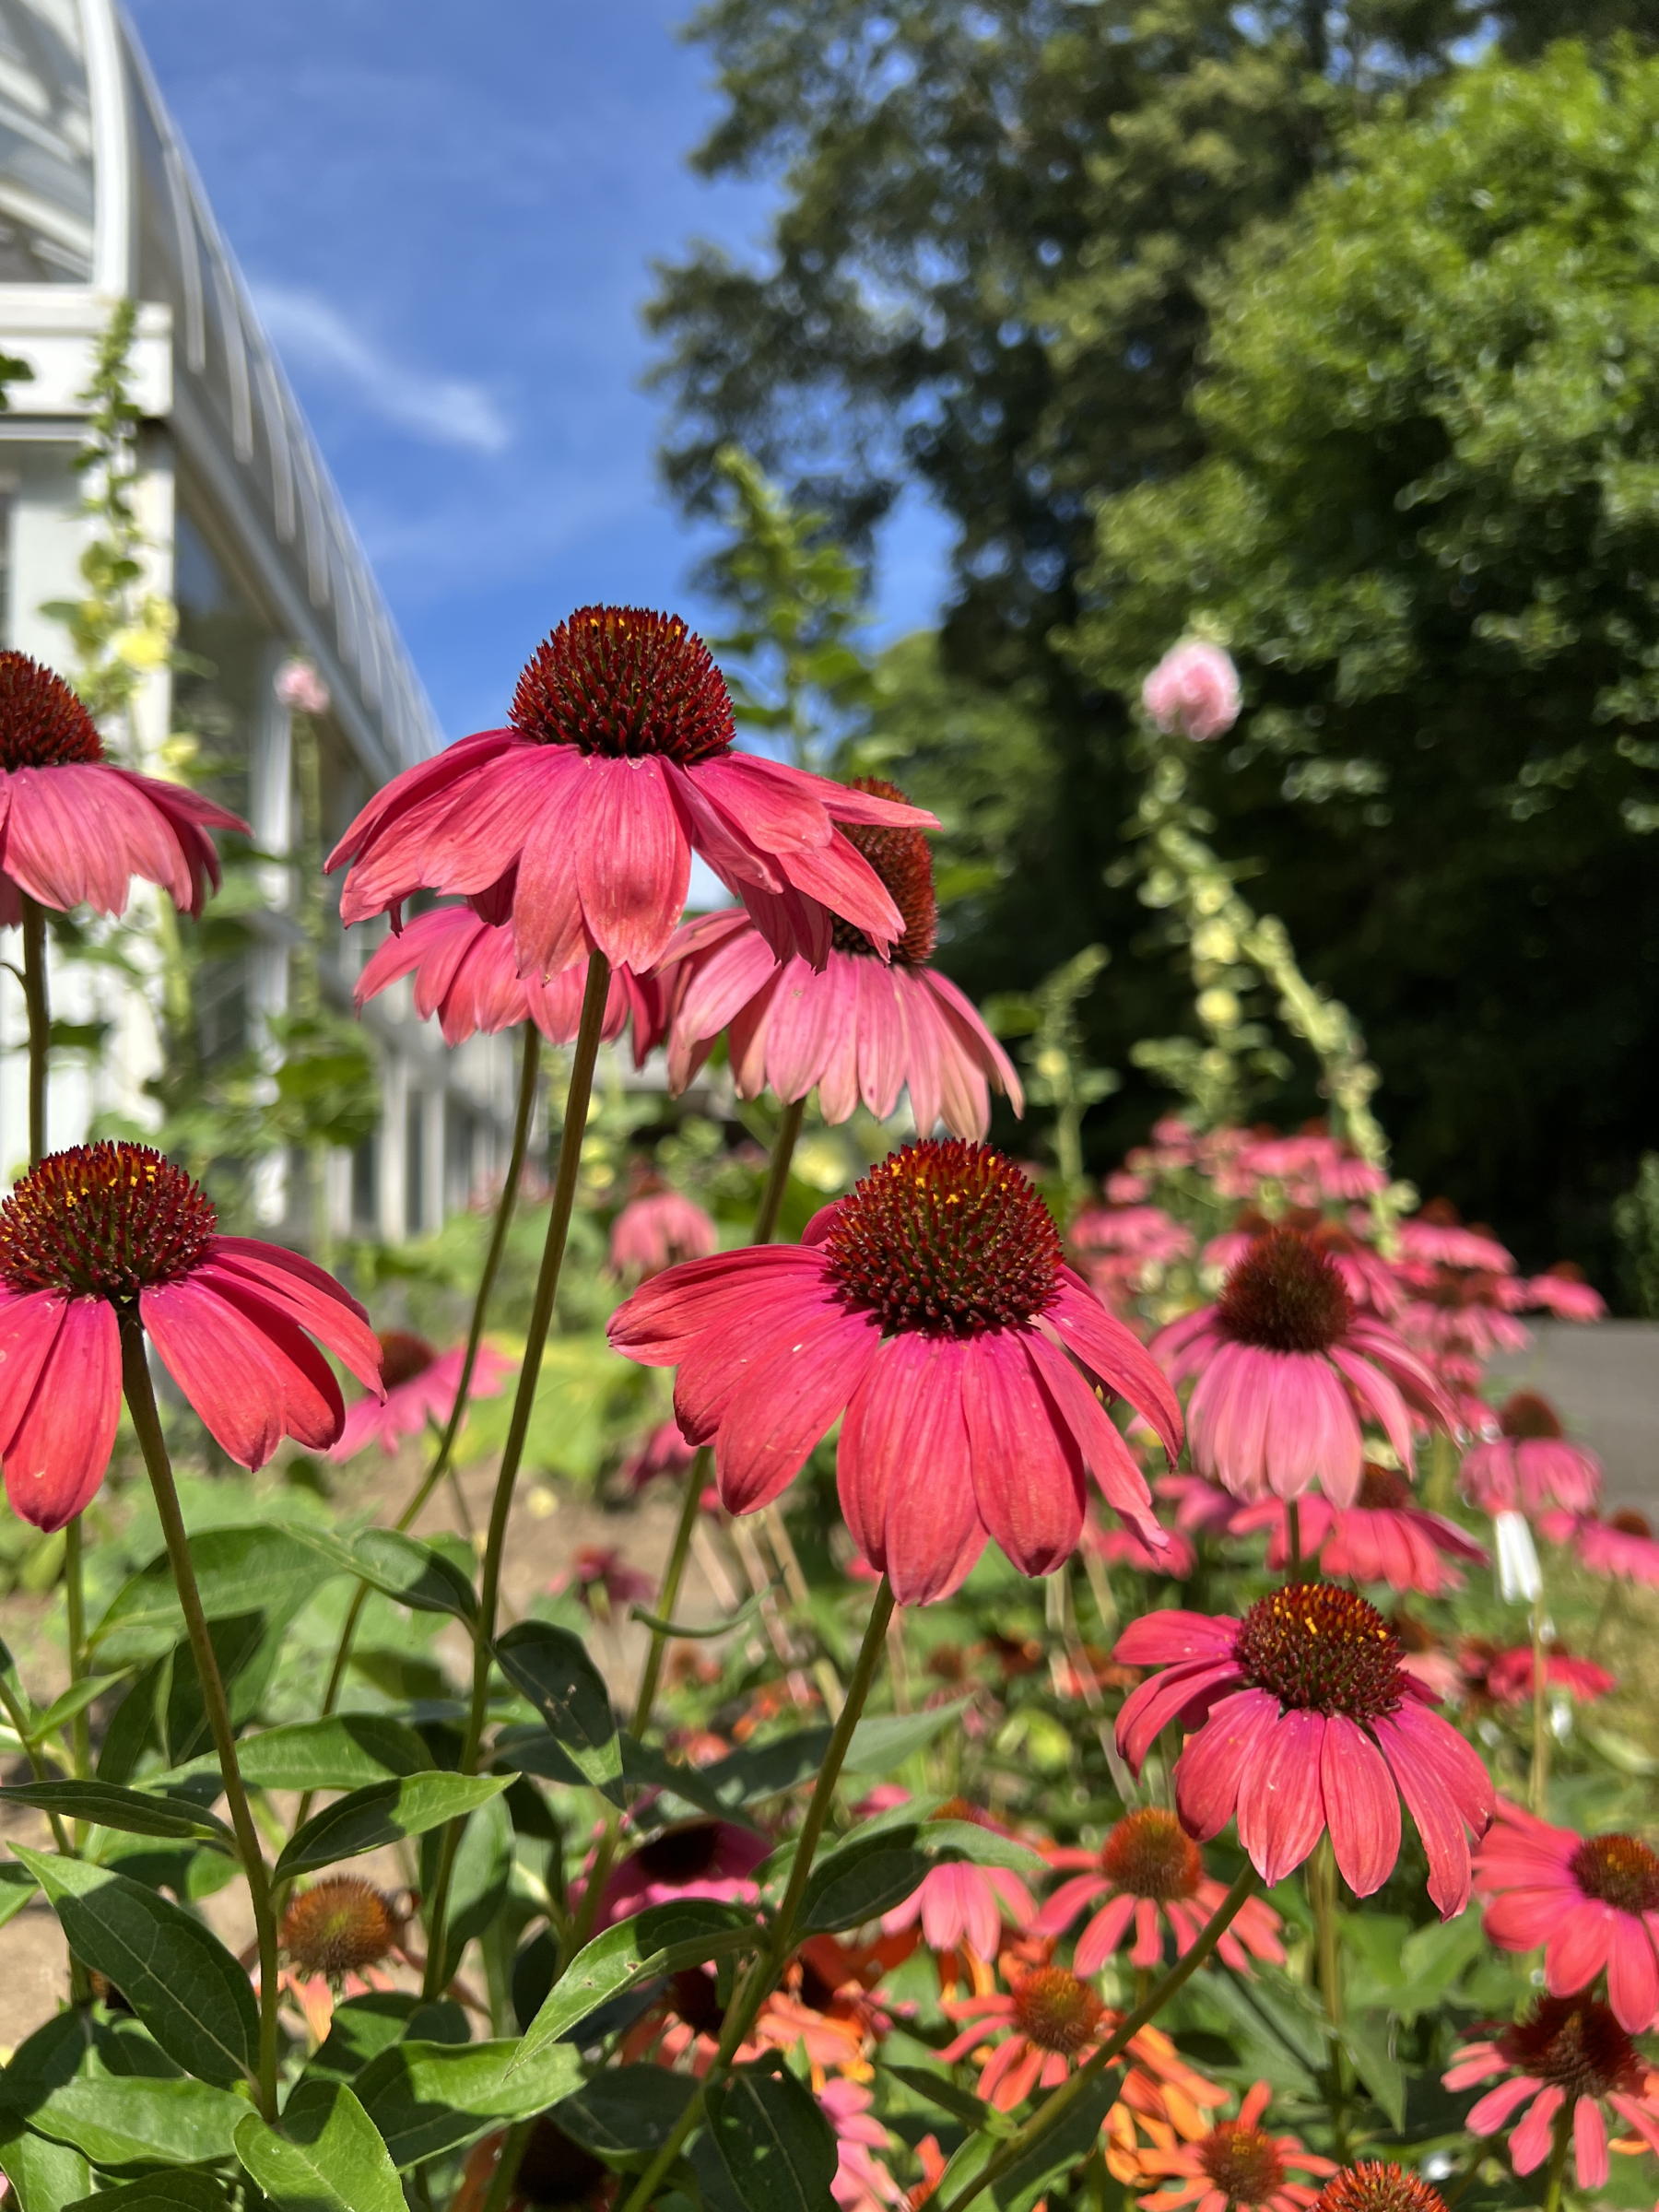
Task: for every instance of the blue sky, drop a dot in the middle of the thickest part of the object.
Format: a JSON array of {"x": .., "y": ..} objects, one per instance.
[{"x": 447, "y": 210}]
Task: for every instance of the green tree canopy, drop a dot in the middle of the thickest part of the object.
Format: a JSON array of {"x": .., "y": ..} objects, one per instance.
[{"x": 1429, "y": 525}]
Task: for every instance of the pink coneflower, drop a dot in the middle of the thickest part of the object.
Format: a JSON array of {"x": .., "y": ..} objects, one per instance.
[
  {"x": 466, "y": 972},
  {"x": 1238, "y": 2167},
  {"x": 1438, "y": 1238},
  {"x": 1303, "y": 1720},
  {"x": 656, "y": 1228},
  {"x": 1148, "y": 1874},
  {"x": 1127, "y": 1546},
  {"x": 1509, "y": 1676},
  {"x": 421, "y": 1383},
  {"x": 1202, "y": 1507},
  {"x": 1385, "y": 1536},
  {"x": 1562, "y": 1290},
  {"x": 862, "y": 1027},
  {"x": 1530, "y": 1466},
  {"x": 1310, "y": 1165},
  {"x": 661, "y": 1451},
  {"x": 1591, "y": 1901},
  {"x": 107, "y": 1230},
  {"x": 861, "y": 2183},
  {"x": 1194, "y": 689},
  {"x": 699, "y": 1858},
  {"x": 75, "y": 829},
  {"x": 962, "y": 1906},
  {"x": 1378, "y": 2185},
  {"x": 932, "y": 1306},
  {"x": 1566, "y": 2052},
  {"x": 1368, "y": 1279},
  {"x": 600, "y": 1580},
  {"x": 1287, "y": 1370},
  {"x": 583, "y": 814},
  {"x": 1623, "y": 1546}
]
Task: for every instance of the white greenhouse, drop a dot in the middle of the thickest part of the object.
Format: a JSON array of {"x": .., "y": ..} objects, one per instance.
[{"x": 244, "y": 533}]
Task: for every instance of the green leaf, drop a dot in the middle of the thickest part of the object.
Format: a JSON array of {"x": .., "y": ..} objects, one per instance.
[
  {"x": 1368, "y": 2044},
  {"x": 385, "y": 1814},
  {"x": 46, "y": 2176},
  {"x": 183, "y": 2190},
  {"x": 962, "y": 2104},
  {"x": 659, "y": 1941},
  {"x": 134, "y": 2120},
  {"x": 1033, "y": 2175},
  {"x": 179, "y": 1979},
  {"x": 427, "y": 2098},
  {"x": 626, "y": 2112},
  {"x": 701, "y": 1630},
  {"x": 767, "y": 1770},
  {"x": 76, "y": 1698},
  {"x": 858, "y": 1883},
  {"x": 255, "y": 1570},
  {"x": 16, "y": 1887},
  {"x": 553, "y": 1670},
  {"x": 348, "y": 1751},
  {"x": 414, "y": 1574},
  {"x": 134, "y": 1812},
  {"x": 323, "y": 2155},
  {"x": 885, "y": 1743},
  {"x": 768, "y": 2138},
  {"x": 364, "y": 2026}
]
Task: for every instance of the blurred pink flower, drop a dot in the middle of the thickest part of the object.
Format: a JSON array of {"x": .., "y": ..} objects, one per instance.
[
  {"x": 1566, "y": 2052},
  {"x": 1193, "y": 690},
  {"x": 1510, "y": 1675},
  {"x": 601, "y": 1579},
  {"x": 1149, "y": 1874},
  {"x": 656, "y": 1229},
  {"x": 1530, "y": 1466},
  {"x": 1623, "y": 1546},
  {"x": 961, "y": 1906},
  {"x": 420, "y": 1384},
  {"x": 1385, "y": 1536},
  {"x": 301, "y": 688},
  {"x": 1562, "y": 1290},
  {"x": 1591, "y": 1902},
  {"x": 698, "y": 1858}
]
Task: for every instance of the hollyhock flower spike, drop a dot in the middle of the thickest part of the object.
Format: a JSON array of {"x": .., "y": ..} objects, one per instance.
[
  {"x": 933, "y": 1308},
  {"x": 657, "y": 1228},
  {"x": 1237, "y": 2167},
  {"x": 1567, "y": 2053},
  {"x": 111, "y": 1229},
  {"x": 866, "y": 1027},
  {"x": 1303, "y": 1720},
  {"x": 1194, "y": 689},
  {"x": 1147, "y": 1877},
  {"x": 1286, "y": 1371},
  {"x": 1591, "y": 1901},
  {"x": 1530, "y": 1466},
  {"x": 420, "y": 1385},
  {"x": 1385, "y": 1536},
  {"x": 581, "y": 817},
  {"x": 75, "y": 829},
  {"x": 466, "y": 972}
]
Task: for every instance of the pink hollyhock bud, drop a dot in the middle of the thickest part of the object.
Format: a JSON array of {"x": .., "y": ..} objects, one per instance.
[
  {"x": 1194, "y": 689},
  {"x": 301, "y": 688}
]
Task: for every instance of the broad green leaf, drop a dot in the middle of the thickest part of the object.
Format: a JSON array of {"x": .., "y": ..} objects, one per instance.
[
  {"x": 414, "y": 1574},
  {"x": 348, "y": 1751},
  {"x": 859, "y": 1882},
  {"x": 132, "y": 2120},
  {"x": 881, "y": 1744},
  {"x": 255, "y": 1570},
  {"x": 179, "y": 1979},
  {"x": 385, "y": 1814},
  {"x": 46, "y": 2176},
  {"x": 766, "y": 2136},
  {"x": 323, "y": 2155},
  {"x": 766, "y": 1770},
  {"x": 364, "y": 2026},
  {"x": 983, "y": 1846},
  {"x": 553, "y": 1669},
  {"x": 134, "y": 1812},
  {"x": 962, "y": 2104},
  {"x": 482, "y": 1868},
  {"x": 427, "y": 2098},
  {"x": 16, "y": 1887},
  {"x": 1368, "y": 2044},
  {"x": 183, "y": 2190},
  {"x": 624, "y": 2112},
  {"x": 659, "y": 1941}
]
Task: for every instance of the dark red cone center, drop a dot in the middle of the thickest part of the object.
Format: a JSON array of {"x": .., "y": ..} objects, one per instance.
[
  {"x": 340, "y": 1926},
  {"x": 43, "y": 722},
  {"x": 1285, "y": 1295},
  {"x": 1527, "y": 1416},
  {"x": 626, "y": 683},
  {"x": 1576, "y": 2044},
  {"x": 1616, "y": 1870},
  {"x": 404, "y": 1356},
  {"x": 103, "y": 1220},
  {"x": 1319, "y": 1648},
  {"x": 904, "y": 862}
]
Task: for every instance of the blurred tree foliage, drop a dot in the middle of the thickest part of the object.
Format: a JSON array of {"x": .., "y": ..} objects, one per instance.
[
  {"x": 1430, "y": 520},
  {"x": 993, "y": 273}
]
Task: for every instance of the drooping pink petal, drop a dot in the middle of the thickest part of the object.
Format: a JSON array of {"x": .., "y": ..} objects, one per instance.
[
  {"x": 978, "y": 1041},
  {"x": 224, "y": 1364},
  {"x": 1178, "y": 1692},
  {"x": 1103, "y": 1935},
  {"x": 1172, "y": 1637},
  {"x": 29, "y": 1327},
  {"x": 337, "y": 1321},
  {"x": 549, "y": 932},
  {"x": 786, "y": 1403},
  {"x": 1281, "y": 1816},
  {"x": 903, "y": 1469},
  {"x": 60, "y": 1449},
  {"x": 1108, "y": 1350},
  {"x": 1027, "y": 1479},
  {"x": 666, "y": 1315},
  {"x": 1530, "y": 2144},
  {"x": 1578, "y": 1946},
  {"x": 1103, "y": 1451},
  {"x": 312, "y": 1410},
  {"x": 1430, "y": 1804},
  {"x": 1633, "y": 1977},
  {"x": 633, "y": 861},
  {"x": 1215, "y": 1761},
  {"x": 1361, "y": 1805},
  {"x": 1488, "y": 2114},
  {"x": 1589, "y": 2144}
]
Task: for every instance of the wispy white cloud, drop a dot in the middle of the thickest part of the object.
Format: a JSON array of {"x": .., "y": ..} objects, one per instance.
[{"x": 314, "y": 334}]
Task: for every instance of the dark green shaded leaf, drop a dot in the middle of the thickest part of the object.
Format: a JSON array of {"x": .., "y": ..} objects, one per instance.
[
  {"x": 134, "y": 1812},
  {"x": 130, "y": 2120},
  {"x": 659, "y": 1941},
  {"x": 179, "y": 1979},
  {"x": 553, "y": 1670},
  {"x": 625, "y": 2113},
  {"x": 427, "y": 2098},
  {"x": 323, "y": 2155},
  {"x": 364, "y": 2026},
  {"x": 857, "y": 1883},
  {"x": 256, "y": 1569},
  {"x": 768, "y": 2137},
  {"x": 183, "y": 2190},
  {"x": 385, "y": 1814}
]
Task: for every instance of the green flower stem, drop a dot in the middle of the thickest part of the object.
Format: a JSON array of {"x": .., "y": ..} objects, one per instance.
[
  {"x": 507, "y": 2166},
  {"x": 1537, "y": 1783},
  {"x": 759, "y": 1983},
  {"x": 1327, "y": 1940},
  {"x": 766, "y": 1223},
  {"x": 1055, "y": 2106},
  {"x": 577, "y": 1099},
  {"x": 1293, "y": 1539},
  {"x": 1556, "y": 2172},
  {"x": 529, "y": 1074},
  {"x": 146, "y": 1426},
  {"x": 15, "y": 1713},
  {"x": 40, "y": 1024}
]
